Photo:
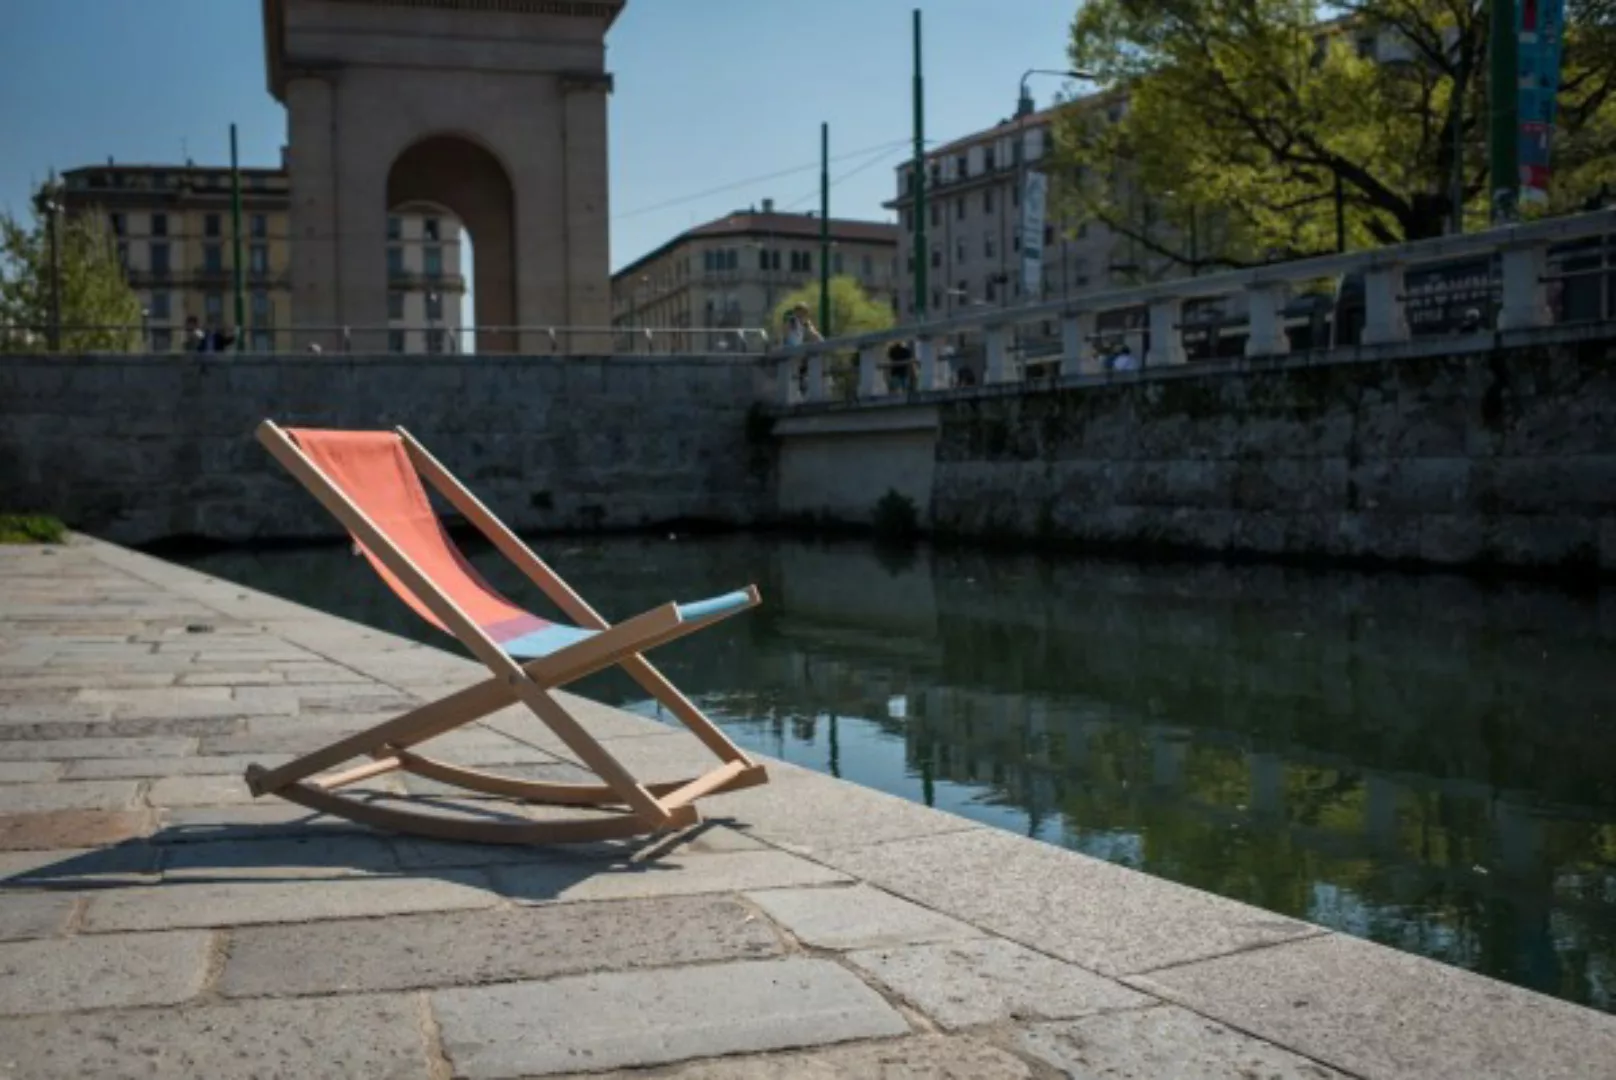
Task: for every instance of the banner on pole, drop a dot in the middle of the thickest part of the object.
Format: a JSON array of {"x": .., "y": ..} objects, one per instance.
[
  {"x": 1035, "y": 191},
  {"x": 1540, "y": 26}
]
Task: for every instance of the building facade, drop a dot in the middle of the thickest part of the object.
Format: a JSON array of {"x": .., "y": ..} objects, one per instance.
[
  {"x": 973, "y": 229},
  {"x": 174, "y": 228},
  {"x": 732, "y": 272}
]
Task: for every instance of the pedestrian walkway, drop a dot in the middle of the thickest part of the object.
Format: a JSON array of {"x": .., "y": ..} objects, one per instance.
[{"x": 155, "y": 920}]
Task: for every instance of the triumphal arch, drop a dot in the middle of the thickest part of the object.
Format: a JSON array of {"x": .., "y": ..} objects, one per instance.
[{"x": 492, "y": 109}]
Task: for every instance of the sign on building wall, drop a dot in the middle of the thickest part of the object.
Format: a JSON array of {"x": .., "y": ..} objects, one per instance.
[
  {"x": 1540, "y": 25},
  {"x": 1035, "y": 190}
]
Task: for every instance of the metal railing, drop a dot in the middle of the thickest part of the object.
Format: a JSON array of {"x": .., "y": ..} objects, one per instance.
[
  {"x": 1517, "y": 278},
  {"x": 155, "y": 337}
]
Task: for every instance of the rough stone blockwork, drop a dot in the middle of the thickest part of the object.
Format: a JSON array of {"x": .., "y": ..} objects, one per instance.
[
  {"x": 1504, "y": 457},
  {"x": 136, "y": 449}
]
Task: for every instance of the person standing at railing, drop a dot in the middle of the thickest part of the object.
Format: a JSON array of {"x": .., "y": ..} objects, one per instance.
[{"x": 800, "y": 329}]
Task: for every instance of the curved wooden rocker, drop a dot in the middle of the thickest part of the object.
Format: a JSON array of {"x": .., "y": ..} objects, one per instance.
[{"x": 371, "y": 482}]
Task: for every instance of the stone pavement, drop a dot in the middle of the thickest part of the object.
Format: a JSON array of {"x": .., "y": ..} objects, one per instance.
[{"x": 157, "y": 921}]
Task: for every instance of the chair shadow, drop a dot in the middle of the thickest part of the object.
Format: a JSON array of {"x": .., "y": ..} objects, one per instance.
[{"x": 318, "y": 848}]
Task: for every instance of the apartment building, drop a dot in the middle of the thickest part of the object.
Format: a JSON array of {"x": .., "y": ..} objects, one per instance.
[
  {"x": 175, "y": 233},
  {"x": 732, "y": 272}
]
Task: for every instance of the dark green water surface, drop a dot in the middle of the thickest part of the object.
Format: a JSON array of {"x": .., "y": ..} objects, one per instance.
[{"x": 1424, "y": 761}]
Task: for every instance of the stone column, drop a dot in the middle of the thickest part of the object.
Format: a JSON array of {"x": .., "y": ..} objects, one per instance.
[
  {"x": 312, "y": 137},
  {"x": 1525, "y": 300},
  {"x": 1077, "y": 344},
  {"x": 871, "y": 379},
  {"x": 1385, "y": 317},
  {"x": 998, "y": 360},
  {"x": 1166, "y": 340},
  {"x": 1268, "y": 337},
  {"x": 585, "y": 214}
]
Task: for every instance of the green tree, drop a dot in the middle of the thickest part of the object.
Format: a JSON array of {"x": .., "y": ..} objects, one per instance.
[
  {"x": 852, "y": 310},
  {"x": 1244, "y": 119},
  {"x": 96, "y": 298}
]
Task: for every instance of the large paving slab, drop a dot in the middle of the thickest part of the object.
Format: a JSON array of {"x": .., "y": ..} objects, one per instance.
[
  {"x": 651, "y": 1017},
  {"x": 34, "y": 915},
  {"x": 68, "y": 795},
  {"x": 679, "y": 874},
  {"x": 921, "y": 1057},
  {"x": 856, "y": 917},
  {"x": 1375, "y": 1012},
  {"x": 1163, "y": 1043},
  {"x": 469, "y": 948},
  {"x": 72, "y": 829},
  {"x": 1105, "y": 917},
  {"x": 334, "y": 1038},
  {"x": 296, "y": 858},
  {"x": 133, "y": 862},
  {"x": 961, "y": 984},
  {"x": 244, "y": 903},
  {"x": 102, "y": 971}
]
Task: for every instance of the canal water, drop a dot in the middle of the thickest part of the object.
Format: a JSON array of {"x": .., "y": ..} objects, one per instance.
[{"x": 1420, "y": 760}]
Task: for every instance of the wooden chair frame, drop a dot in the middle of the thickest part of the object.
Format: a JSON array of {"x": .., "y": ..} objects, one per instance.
[{"x": 645, "y": 808}]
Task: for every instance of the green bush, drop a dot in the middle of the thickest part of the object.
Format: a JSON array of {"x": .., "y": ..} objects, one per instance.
[
  {"x": 31, "y": 529},
  {"x": 896, "y": 518}
]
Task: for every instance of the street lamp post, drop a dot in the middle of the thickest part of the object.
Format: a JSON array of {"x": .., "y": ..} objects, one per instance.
[
  {"x": 1024, "y": 109},
  {"x": 49, "y": 204}
]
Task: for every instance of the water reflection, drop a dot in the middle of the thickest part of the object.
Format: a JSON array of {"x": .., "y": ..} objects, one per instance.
[{"x": 1420, "y": 761}]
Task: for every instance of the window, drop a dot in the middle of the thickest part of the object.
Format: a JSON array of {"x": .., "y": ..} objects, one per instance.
[
  {"x": 120, "y": 225},
  {"x": 432, "y": 260},
  {"x": 162, "y": 341},
  {"x": 395, "y": 262},
  {"x": 1015, "y": 195},
  {"x": 987, "y": 159},
  {"x": 987, "y": 247},
  {"x": 159, "y": 224},
  {"x": 258, "y": 226},
  {"x": 395, "y": 228},
  {"x": 430, "y": 229},
  {"x": 937, "y": 257},
  {"x": 836, "y": 263},
  {"x": 395, "y": 304},
  {"x": 992, "y": 292},
  {"x": 868, "y": 267},
  {"x": 210, "y": 225},
  {"x": 987, "y": 200},
  {"x": 732, "y": 259},
  {"x": 123, "y": 256},
  {"x": 159, "y": 180},
  {"x": 263, "y": 341},
  {"x": 160, "y": 309},
  {"x": 962, "y": 166},
  {"x": 395, "y": 341},
  {"x": 213, "y": 307},
  {"x": 959, "y": 209},
  {"x": 936, "y": 216},
  {"x": 802, "y": 262},
  {"x": 260, "y": 306},
  {"x": 212, "y": 258},
  {"x": 159, "y": 258},
  {"x": 959, "y": 251},
  {"x": 1049, "y": 235},
  {"x": 434, "y": 307},
  {"x": 908, "y": 220},
  {"x": 258, "y": 258},
  {"x": 936, "y": 299},
  {"x": 434, "y": 341}
]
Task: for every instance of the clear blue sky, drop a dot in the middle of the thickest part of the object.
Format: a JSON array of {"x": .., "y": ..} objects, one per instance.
[{"x": 710, "y": 93}]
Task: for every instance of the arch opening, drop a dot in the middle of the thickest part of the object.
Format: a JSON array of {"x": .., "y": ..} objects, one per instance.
[{"x": 468, "y": 189}]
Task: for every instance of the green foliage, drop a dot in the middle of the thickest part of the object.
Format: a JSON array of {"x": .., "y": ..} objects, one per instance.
[
  {"x": 31, "y": 529},
  {"x": 895, "y": 518},
  {"x": 852, "y": 310},
  {"x": 94, "y": 291},
  {"x": 1242, "y": 115}
]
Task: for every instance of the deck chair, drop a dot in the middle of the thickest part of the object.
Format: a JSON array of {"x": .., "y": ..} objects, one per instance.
[{"x": 371, "y": 482}]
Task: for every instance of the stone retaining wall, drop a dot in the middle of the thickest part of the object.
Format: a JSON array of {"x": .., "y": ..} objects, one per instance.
[
  {"x": 137, "y": 449},
  {"x": 1501, "y": 457}
]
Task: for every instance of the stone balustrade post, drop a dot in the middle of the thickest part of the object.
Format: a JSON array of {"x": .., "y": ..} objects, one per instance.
[
  {"x": 998, "y": 355},
  {"x": 790, "y": 390},
  {"x": 1266, "y": 304},
  {"x": 871, "y": 378},
  {"x": 1077, "y": 344},
  {"x": 1525, "y": 301},
  {"x": 818, "y": 389},
  {"x": 926, "y": 353},
  {"x": 1385, "y": 316},
  {"x": 1166, "y": 339}
]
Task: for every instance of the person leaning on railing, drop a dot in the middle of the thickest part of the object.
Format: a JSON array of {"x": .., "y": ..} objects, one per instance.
[{"x": 799, "y": 330}]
